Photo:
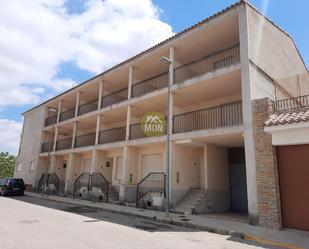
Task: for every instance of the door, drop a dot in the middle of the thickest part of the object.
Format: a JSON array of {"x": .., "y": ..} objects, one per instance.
[
  {"x": 293, "y": 164},
  {"x": 151, "y": 163},
  {"x": 238, "y": 180}
]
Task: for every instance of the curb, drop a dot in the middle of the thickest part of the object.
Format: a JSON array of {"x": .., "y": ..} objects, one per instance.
[{"x": 220, "y": 231}]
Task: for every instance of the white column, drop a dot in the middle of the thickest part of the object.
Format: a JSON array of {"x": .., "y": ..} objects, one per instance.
[
  {"x": 125, "y": 175},
  {"x": 68, "y": 188},
  {"x": 53, "y": 163},
  {"x": 77, "y": 103},
  {"x": 55, "y": 138},
  {"x": 128, "y": 123},
  {"x": 130, "y": 83},
  {"x": 59, "y": 110},
  {"x": 98, "y": 127},
  {"x": 248, "y": 119},
  {"x": 101, "y": 91},
  {"x": 94, "y": 161},
  {"x": 74, "y": 134}
]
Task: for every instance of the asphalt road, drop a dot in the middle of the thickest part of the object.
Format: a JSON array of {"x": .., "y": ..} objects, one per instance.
[{"x": 32, "y": 223}]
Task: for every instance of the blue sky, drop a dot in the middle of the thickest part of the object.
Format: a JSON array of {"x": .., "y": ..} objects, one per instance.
[{"x": 73, "y": 40}]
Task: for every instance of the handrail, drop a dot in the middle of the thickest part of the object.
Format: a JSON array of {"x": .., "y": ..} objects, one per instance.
[
  {"x": 88, "y": 107},
  {"x": 107, "y": 99},
  {"x": 78, "y": 185},
  {"x": 50, "y": 120},
  {"x": 66, "y": 115},
  {"x": 85, "y": 140},
  {"x": 63, "y": 144},
  {"x": 112, "y": 135},
  {"x": 292, "y": 103},
  {"x": 47, "y": 146}
]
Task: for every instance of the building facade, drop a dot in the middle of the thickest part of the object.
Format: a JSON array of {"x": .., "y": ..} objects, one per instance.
[{"x": 222, "y": 78}]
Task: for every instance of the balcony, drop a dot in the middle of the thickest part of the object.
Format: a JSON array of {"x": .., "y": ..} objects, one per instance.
[
  {"x": 292, "y": 103},
  {"x": 227, "y": 115},
  {"x": 51, "y": 120},
  {"x": 88, "y": 107},
  {"x": 158, "y": 82},
  {"x": 85, "y": 140},
  {"x": 115, "y": 97},
  {"x": 137, "y": 132},
  {"x": 67, "y": 114},
  {"x": 112, "y": 135},
  {"x": 47, "y": 146},
  {"x": 209, "y": 63},
  {"x": 64, "y": 144}
]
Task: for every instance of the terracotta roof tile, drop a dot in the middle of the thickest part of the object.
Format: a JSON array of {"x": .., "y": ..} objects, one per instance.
[{"x": 294, "y": 116}]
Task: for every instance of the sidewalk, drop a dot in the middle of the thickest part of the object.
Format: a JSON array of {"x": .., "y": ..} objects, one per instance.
[{"x": 287, "y": 238}]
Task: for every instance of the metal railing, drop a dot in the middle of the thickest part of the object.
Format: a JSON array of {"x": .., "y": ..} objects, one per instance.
[
  {"x": 112, "y": 135},
  {"x": 67, "y": 114},
  {"x": 209, "y": 63},
  {"x": 52, "y": 183},
  {"x": 85, "y": 140},
  {"x": 150, "y": 85},
  {"x": 115, "y": 97},
  {"x": 154, "y": 182},
  {"x": 292, "y": 103},
  {"x": 214, "y": 117},
  {"x": 64, "y": 144},
  {"x": 51, "y": 120},
  {"x": 91, "y": 186},
  {"x": 136, "y": 131},
  {"x": 47, "y": 146},
  {"x": 88, "y": 107}
]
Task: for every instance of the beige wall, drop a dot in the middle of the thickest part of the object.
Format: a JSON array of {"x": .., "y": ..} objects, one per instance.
[{"x": 30, "y": 144}]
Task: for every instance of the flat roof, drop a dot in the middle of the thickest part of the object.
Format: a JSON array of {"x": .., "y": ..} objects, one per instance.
[{"x": 223, "y": 11}]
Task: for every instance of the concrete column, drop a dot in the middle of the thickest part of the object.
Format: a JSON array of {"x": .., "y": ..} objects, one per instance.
[
  {"x": 248, "y": 120},
  {"x": 130, "y": 83},
  {"x": 74, "y": 134},
  {"x": 101, "y": 91},
  {"x": 172, "y": 65},
  {"x": 94, "y": 160},
  {"x": 125, "y": 175},
  {"x": 55, "y": 139},
  {"x": 98, "y": 127},
  {"x": 77, "y": 103},
  {"x": 69, "y": 185},
  {"x": 59, "y": 110},
  {"x": 128, "y": 122}
]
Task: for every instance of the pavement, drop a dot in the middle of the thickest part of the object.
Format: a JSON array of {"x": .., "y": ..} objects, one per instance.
[{"x": 286, "y": 238}]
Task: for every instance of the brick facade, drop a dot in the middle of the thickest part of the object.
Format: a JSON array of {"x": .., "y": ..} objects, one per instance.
[{"x": 268, "y": 189}]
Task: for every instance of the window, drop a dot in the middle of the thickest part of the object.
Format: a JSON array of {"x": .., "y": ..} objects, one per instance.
[
  {"x": 31, "y": 168},
  {"x": 19, "y": 167}
]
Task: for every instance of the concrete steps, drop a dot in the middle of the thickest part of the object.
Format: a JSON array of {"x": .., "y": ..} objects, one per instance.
[{"x": 189, "y": 202}]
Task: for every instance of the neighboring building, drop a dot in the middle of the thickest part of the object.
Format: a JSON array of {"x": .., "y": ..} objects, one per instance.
[{"x": 223, "y": 84}]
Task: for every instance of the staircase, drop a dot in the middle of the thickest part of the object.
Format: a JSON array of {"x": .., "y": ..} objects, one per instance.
[
  {"x": 191, "y": 200},
  {"x": 113, "y": 195}
]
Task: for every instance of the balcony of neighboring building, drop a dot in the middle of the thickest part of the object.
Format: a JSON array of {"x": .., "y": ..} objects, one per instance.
[
  {"x": 113, "y": 126},
  {"x": 211, "y": 104}
]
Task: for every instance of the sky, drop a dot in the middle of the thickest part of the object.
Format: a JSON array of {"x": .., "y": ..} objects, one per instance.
[{"x": 48, "y": 46}]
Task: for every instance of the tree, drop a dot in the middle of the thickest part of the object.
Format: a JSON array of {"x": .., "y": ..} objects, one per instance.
[{"x": 7, "y": 164}]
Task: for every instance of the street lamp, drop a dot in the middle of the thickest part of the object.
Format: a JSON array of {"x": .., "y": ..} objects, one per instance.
[
  {"x": 167, "y": 180},
  {"x": 49, "y": 150}
]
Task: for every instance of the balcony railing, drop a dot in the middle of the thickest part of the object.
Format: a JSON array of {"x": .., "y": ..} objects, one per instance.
[
  {"x": 88, "y": 107},
  {"x": 85, "y": 140},
  {"x": 47, "y": 146},
  {"x": 112, "y": 135},
  {"x": 150, "y": 85},
  {"x": 292, "y": 103},
  {"x": 51, "y": 120},
  {"x": 220, "y": 59},
  {"x": 67, "y": 114},
  {"x": 214, "y": 117},
  {"x": 64, "y": 144},
  {"x": 136, "y": 131},
  {"x": 115, "y": 97}
]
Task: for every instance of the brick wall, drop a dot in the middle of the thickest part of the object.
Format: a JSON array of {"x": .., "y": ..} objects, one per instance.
[{"x": 269, "y": 204}]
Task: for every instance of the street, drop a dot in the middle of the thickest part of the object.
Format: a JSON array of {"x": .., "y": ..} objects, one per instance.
[{"x": 30, "y": 223}]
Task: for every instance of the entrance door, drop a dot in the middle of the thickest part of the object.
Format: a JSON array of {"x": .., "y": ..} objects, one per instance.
[
  {"x": 238, "y": 180},
  {"x": 293, "y": 163},
  {"x": 151, "y": 163}
]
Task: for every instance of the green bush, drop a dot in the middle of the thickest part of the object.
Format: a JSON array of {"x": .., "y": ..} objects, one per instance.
[{"x": 7, "y": 165}]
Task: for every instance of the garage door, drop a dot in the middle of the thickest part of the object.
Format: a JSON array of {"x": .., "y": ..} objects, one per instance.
[
  {"x": 293, "y": 164},
  {"x": 151, "y": 163}
]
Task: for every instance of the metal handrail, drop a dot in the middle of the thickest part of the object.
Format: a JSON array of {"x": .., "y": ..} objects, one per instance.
[
  {"x": 292, "y": 103},
  {"x": 107, "y": 100},
  {"x": 85, "y": 140},
  {"x": 88, "y": 107},
  {"x": 78, "y": 183},
  {"x": 50, "y": 120},
  {"x": 67, "y": 114},
  {"x": 157, "y": 185},
  {"x": 46, "y": 146},
  {"x": 63, "y": 144},
  {"x": 136, "y": 131},
  {"x": 112, "y": 135},
  {"x": 52, "y": 178},
  {"x": 226, "y": 115}
]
